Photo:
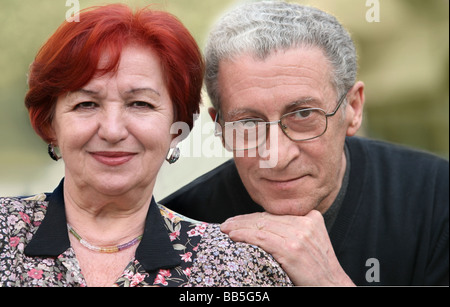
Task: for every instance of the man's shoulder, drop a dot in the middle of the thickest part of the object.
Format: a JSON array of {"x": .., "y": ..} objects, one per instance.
[
  {"x": 208, "y": 182},
  {"x": 397, "y": 168},
  {"x": 398, "y": 174},
  {"x": 214, "y": 196},
  {"x": 377, "y": 150},
  {"x": 219, "y": 173}
]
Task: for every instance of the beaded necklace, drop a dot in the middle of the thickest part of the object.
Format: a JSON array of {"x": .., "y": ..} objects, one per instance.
[{"x": 108, "y": 249}]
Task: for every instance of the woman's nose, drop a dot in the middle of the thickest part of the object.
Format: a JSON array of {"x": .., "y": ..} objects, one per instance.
[{"x": 112, "y": 125}]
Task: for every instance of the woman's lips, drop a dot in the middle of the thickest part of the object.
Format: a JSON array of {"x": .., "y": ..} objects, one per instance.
[{"x": 112, "y": 158}]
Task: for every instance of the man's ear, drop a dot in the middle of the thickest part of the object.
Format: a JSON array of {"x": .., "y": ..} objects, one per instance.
[
  {"x": 354, "y": 109},
  {"x": 212, "y": 112}
]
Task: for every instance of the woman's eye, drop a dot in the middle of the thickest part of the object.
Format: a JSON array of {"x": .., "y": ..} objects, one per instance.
[
  {"x": 86, "y": 105},
  {"x": 141, "y": 104}
]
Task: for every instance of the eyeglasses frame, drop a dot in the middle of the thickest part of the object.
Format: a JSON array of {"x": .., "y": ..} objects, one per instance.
[{"x": 283, "y": 127}]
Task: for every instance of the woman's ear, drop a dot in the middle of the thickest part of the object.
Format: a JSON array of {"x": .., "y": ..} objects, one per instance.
[
  {"x": 354, "y": 109},
  {"x": 50, "y": 134}
]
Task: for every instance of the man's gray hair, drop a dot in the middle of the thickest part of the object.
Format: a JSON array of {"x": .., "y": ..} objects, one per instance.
[{"x": 262, "y": 28}]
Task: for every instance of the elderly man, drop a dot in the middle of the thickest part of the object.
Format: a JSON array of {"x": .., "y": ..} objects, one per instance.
[{"x": 338, "y": 209}]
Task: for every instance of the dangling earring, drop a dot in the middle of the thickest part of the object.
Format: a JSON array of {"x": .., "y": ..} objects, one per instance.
[
  {"x": 51, "y": 152},
  {"x": 173, "y": 155}
]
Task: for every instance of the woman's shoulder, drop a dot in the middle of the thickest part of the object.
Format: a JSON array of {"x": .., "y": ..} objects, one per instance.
[
  {"x": 176, "y": 217},
  {"x": 29, "y": 210},
  {"x": 23, "y": 203},
  {"x": 223, "y": 262},
  {"x": 219, "y": 261},
  {"x": 20, "y": 216}
]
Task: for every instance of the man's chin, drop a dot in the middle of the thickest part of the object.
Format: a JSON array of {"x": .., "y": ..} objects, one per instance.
[{"x": 287, "y": 207}]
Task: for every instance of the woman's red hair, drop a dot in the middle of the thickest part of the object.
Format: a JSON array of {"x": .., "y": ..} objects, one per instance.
[{"x": 69, "y": 59}]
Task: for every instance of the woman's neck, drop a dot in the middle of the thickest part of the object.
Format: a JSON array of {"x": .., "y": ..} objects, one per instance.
[{"x": 103, "y": 219}]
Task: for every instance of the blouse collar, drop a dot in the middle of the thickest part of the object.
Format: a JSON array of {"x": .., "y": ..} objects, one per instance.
[{"x": 155, "y": 250}]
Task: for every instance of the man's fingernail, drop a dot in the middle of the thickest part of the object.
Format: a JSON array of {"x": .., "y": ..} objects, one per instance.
[{"x": 225, "y": 226}]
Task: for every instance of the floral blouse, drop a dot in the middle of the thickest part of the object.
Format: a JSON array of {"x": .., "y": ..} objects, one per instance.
[{"x": 174, "y": 251}]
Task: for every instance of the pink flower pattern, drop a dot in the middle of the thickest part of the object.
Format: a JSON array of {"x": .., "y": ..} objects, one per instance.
[
  {"x": 36, "y": 274},
  {"x": 187, "y": 257}
]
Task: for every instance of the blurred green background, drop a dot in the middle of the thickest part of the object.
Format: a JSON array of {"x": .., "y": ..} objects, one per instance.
[{"x": 403, "y": 61}]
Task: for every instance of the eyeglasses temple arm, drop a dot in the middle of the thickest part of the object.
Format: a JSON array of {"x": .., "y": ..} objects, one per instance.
[
  {"x": 216, "y": 125},
  {"x": 341, "y": 100}
]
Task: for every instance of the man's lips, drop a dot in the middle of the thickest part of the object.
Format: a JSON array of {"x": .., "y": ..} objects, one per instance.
[
  {"x": 284, "y": 183},
  {"x": 112, "y": 158}
]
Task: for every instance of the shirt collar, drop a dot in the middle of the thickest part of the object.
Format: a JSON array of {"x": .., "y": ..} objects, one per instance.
[{"x": 155, "y": 251}]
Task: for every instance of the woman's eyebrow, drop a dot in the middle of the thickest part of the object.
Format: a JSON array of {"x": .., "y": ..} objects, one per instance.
[
  {"x": 142, "y": 89},
  {"x": 83, "y": 91},
  {"x": 89, "y": 92}
]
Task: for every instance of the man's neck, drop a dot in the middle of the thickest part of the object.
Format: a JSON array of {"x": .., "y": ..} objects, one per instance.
[{"x": 331, "y": 213}]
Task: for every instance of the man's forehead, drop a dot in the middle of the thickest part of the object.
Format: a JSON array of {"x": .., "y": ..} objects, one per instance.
[{"x": 278, "y": 75}]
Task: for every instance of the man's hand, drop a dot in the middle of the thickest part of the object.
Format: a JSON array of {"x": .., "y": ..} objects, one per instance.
[{"x": 299, "y": 243}]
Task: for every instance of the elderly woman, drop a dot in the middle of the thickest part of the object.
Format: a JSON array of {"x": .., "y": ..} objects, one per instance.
[{"x": 105, "y": 92}]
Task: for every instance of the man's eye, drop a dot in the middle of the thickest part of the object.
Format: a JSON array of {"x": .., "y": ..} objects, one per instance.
[
  {"x": 304, "y": 113},
  {"x": 249, "y": 122}
]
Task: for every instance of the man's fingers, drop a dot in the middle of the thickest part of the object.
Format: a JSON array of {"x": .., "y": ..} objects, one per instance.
[
  {"x": 269, "y": 221},
  {"x": 270, "y": 235},
  {"x": 247, "y": 221}
]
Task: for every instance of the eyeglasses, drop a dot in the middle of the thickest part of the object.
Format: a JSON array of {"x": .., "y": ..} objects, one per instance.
[{"x": 300, "y": 125}]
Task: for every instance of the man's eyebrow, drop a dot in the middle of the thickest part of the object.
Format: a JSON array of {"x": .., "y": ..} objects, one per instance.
[
  {"x": 236, "y": 112},
  {"x": 302, "y": 101},
  {"x": 287, "y": 108}
]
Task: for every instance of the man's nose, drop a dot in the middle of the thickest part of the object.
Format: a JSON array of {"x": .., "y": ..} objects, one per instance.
[{"x": 279, "y": 147}]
